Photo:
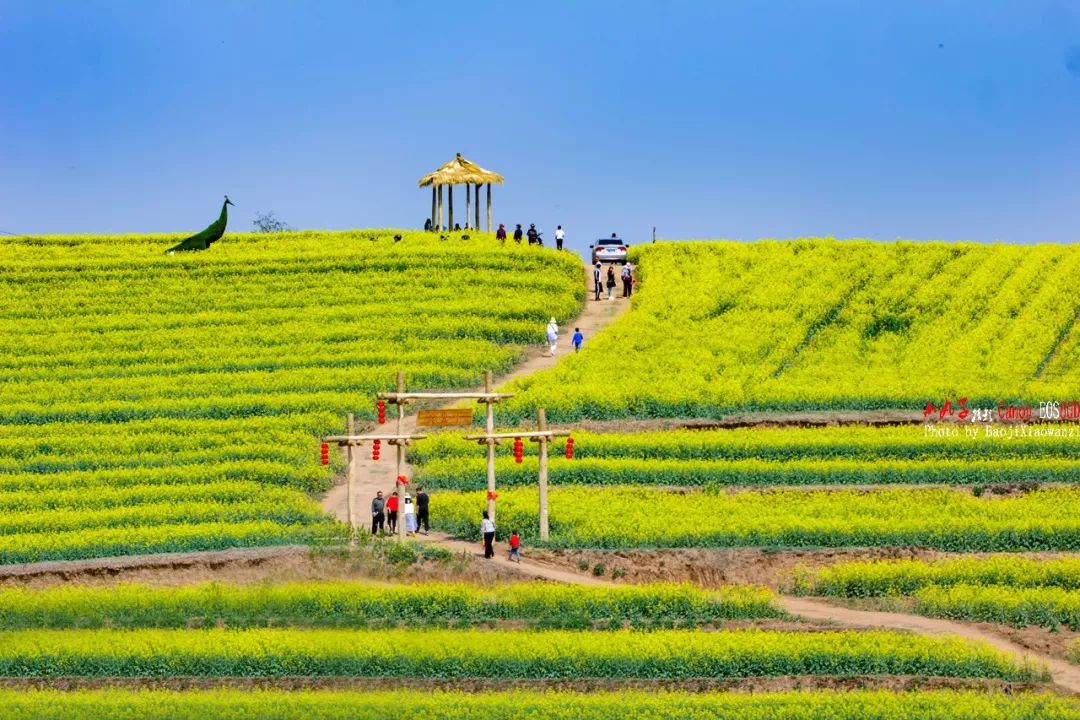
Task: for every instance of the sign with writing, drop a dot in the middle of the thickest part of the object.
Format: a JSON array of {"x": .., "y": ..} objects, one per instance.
[{"x": 429, "y": 418}]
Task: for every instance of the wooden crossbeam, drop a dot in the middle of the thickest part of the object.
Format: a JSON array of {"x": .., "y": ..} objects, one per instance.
[{"x": 404, "y": 397}]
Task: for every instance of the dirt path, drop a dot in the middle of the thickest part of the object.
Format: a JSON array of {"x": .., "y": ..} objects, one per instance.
[
  {"x": 1064, "y": 674},
  {"x": 374, "y": 476},
  {"x": 529, "y": 567}
]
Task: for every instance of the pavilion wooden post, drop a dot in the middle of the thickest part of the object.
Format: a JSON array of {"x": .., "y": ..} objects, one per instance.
[
  {"x": 476, "y": 222},
  {"x": 489, "y": 206},
  {"x": 541, "y": 425},
  {"x": 350, "y": 476},
  {"x": 468, "y": 206},
  {"x": 439, "y": 225},
  {"x": 433, "y": 207},
  {"x": 450, "y": 205}
]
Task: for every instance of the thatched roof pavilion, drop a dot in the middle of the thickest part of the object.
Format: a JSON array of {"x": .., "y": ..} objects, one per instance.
[{"x": 459, "y": 171}]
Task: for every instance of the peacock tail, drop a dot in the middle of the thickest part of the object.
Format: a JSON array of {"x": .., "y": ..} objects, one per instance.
[{"x": 213, "y": 233}]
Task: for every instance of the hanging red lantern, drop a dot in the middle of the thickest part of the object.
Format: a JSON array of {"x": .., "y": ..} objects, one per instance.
[
  {"x": 324, "y": 453},
  {"x": 518, "y": 450},
  {"x": 402, "y": 480},
  {"x": 380, "y": 408},
  {"x": 492, "y": 495},
  {"x": 376, "y": 447},
  {"x": 569, "y": 448}
]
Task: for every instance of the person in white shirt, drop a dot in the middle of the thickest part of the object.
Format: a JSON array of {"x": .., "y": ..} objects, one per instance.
[
  {"x": 487, "y": 527},
  {"x": 552, "y": 333},
  {"x": 410, "y": 515},
  {"x": 559, "y": 235}
]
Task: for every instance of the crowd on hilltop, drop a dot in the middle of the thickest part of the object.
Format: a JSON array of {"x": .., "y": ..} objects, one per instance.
[{"x": 534, "y": 236}]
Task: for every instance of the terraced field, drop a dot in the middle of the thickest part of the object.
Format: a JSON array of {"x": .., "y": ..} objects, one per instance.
[
  {"x": 847, "y": 455},
  {"x": 157, "y": 403},
  {"x": 725, "y": 326},
  {"x": 356, "y": 634}
]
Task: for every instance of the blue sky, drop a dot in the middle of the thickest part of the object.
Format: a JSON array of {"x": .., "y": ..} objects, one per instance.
[{"x": 927, "y": 120}]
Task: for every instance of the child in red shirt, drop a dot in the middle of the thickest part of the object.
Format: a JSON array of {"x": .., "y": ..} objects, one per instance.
[{"x": 515, "y": 546}]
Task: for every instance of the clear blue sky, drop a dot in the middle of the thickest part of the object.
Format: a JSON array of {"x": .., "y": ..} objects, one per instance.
[{"x": 929, "y": 120}]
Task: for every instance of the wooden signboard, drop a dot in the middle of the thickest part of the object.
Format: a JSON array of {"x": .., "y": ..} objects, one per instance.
[{"x": 429, "y": 418}]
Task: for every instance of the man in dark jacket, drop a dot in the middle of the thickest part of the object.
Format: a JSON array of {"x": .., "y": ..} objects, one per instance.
[
  {"x": 534, "y": 237},
  {"x": 517, "y": 234},
  {"x": 378, "y": 514},
  {"x": 422, "y": 509}
]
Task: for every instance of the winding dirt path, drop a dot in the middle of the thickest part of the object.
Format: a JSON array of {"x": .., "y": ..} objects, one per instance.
[
  {"x": 1064, "y": 674},
  {"x": 375, "y": 476}
]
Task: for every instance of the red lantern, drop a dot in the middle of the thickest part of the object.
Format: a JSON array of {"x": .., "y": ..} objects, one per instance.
[
  {"x": 402, "y": 480},
  {"x": 380, "y": 407},
  {"x": 324, "y": 453},
  {"x": 492, "y": 495},
  {"x": 569, "y": 448},
  {"x": 376, "y": 447},
  {"x": 518, "y": 450}
]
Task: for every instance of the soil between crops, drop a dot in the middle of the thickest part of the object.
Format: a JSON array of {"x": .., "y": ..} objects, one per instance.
[{"x": 703, "y": 685}]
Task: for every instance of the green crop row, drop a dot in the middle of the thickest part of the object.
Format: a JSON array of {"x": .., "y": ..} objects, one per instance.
[
  {"x": 819, "y": 323},
  {"x": 846, "y": 442},
  {"x": 1042, "y": 606},
  {"x": 464, "y": 473},
  {"x": 1001, "y": 589},
  {"x": 161, "y": 538},
  {"x": 637, "y": 517},
  {"x": 905, "y": 577},
  {"x": 440, "y": 705},
  {"x": 354, "y": 604},
  {"x": 447, "y": 654}
]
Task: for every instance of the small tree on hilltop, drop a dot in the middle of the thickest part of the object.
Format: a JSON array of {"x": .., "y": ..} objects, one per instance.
[{"x": 267, "y": 223}]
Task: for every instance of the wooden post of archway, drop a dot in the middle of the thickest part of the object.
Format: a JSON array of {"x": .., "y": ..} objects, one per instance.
[
  {"x": 450, "y": 205},
  {"x": 433, "y": 208},
  {"x": 476, "y": 222},
  {"x": 468, "y": 195},
  {"x": 489, "y": 207}
]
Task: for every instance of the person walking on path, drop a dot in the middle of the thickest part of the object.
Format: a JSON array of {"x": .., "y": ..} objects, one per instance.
[
  {"x": 610, "y": 283},
  {"x": 500, "y": 234},
  {"x": 410, "y": 515},
  {"x": 534, "y": 237},
  {"x": 559, "y": 237},
  {"x": 627, "y": 280},
  {"x": 552, "y": 333},
  {"x": 391, "y": 512},
  {"x": 378, "y": 516},
  {"x": 598, "y": 284},
  {"x": 577, "y": 339},
  {"x": 515, "y": 547},
  {"x": 517, "y": 234},
  {"x": 487, "y": 527},
  {"x": 422, "y": 501}
]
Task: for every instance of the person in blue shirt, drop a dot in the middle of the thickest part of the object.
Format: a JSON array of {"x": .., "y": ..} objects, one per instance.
[{"x": 578, "y": 339}]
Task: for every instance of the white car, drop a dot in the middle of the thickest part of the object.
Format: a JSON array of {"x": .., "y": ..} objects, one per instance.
[{"x": 609, "y": 250}]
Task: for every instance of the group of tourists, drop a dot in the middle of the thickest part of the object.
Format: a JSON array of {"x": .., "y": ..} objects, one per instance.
[
  {"x": 532, "y": 234},
  {"x": 385, "y": 511},
  {"x": 552, "y": 334},
  {"x": 626, "y": 274},
  {"x": 487, "y": 529}
]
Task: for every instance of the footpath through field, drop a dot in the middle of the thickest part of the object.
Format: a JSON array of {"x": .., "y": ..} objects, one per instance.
[{"x": 374, "y": 476}]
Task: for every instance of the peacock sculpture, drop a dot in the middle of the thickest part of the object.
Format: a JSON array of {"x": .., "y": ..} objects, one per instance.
[{"x": 210, "y": 235}]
